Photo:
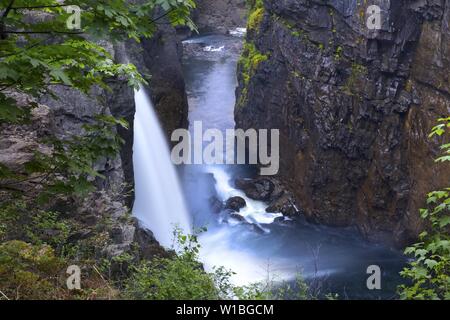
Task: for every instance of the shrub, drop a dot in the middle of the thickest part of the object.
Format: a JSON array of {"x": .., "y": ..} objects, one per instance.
[
  {"x": 429, "y": 272},
  {"x": 29, "y": 272},
  {"x": 180, "y": 277}
]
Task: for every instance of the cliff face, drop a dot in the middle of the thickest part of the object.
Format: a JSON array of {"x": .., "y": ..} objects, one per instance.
[
  {"x": 220, "y": 15},
  {"x": 354, "y": 106},
  {"x": 160, "y": 58}
]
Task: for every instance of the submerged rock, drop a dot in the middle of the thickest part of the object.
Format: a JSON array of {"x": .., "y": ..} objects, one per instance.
[{"x": 237, "y": 217}]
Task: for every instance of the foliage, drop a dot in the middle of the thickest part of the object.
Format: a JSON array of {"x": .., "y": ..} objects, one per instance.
[
  {"x": 28, "y": 272},
  {"x": 429, "y": 272},
  {"x": 249, "y": 62},
  {"x": 270, "y": 289},
  {"x": 179, "y": 277},
  {"x": 46, "y": 227},
  {"x": 38, "y": 50}
]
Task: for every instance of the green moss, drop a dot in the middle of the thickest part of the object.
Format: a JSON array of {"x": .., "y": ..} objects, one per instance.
[
  {"x": 255, "y": 19},
  {"x": 296, "y": 33},
  {"x": 409, "y": 86},
  {"x": 256, "y": 14},
  {"x": 338, "y": 53},
  {"x": 249, "y": 62}
]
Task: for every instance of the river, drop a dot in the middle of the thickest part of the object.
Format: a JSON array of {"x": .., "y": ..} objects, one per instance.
[{"x": 335, "y": 259}]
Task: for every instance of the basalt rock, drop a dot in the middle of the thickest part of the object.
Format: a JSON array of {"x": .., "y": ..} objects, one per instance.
[{"x": 354, "y": 106}]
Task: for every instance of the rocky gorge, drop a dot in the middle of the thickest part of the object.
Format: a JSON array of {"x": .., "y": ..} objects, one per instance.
[{"x": 354, "y": 107}]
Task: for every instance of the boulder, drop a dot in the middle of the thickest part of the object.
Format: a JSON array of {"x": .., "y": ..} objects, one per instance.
[
  {"x": 235, "y": 204},
  {"x": 256, "y": 189},
  {"x": 285, "y": 205}
]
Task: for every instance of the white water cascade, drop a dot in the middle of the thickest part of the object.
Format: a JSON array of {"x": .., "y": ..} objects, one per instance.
[{"x": 159, "y": 202}]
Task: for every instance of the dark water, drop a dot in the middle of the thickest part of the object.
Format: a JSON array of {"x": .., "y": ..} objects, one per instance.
[{"x": 339, "y": 258}]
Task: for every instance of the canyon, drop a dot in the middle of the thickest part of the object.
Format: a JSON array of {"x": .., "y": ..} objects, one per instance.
[{"x": 353, "y": 107}]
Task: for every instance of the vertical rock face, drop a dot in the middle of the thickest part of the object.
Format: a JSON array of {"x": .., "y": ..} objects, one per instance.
[
  {"x": 220, "y": 15},
  {"x": 160, "y": 58},
  {"x": 354, "y": 106}
]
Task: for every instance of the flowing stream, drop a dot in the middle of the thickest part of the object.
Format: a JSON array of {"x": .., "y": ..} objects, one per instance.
[{"x": 261, "y": 247}]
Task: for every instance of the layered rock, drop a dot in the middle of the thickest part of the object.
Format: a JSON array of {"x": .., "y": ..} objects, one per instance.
[{"x": 354, "y": 106}]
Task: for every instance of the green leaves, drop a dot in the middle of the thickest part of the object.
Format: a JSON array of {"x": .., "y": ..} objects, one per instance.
[
  {"x": 9, "y": 112},
  {"x": 47, "y": 53},
  {"x": 441, "y": 128},
  {"x": 430, "y": 269}
]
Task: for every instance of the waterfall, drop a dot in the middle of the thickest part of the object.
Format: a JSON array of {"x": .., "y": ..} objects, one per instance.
[{"x": 159, "y": 202}]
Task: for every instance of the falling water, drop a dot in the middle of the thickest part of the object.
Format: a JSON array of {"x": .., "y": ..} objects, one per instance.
[{"x": 159, "y": 203}]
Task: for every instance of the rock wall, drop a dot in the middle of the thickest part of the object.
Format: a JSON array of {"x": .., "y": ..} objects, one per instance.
[
  {"x": 354, "y": 106},
  {"x": 160, "y": 58},
  {"x": 220, "y": 15}
]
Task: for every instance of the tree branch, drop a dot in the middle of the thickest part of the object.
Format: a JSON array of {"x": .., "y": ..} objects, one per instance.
[
  {"x": 27, "y": 48},
  {"x": 4, "y": 15},
  {"x": 43, "y": 32},
  {"x": 42, "y": 7},
  {"x": 163, "y": 15},
  {"x": 8, "y": 9}
]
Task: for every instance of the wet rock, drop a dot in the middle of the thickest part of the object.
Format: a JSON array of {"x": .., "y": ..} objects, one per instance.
[
  {"x": 235, "y": 204},
  {"x": 237, "y": 217},
  {"x": 285, "y": 205},
  {"x": 256, "y": 189},
  {"x": 147, "y": 244}
]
